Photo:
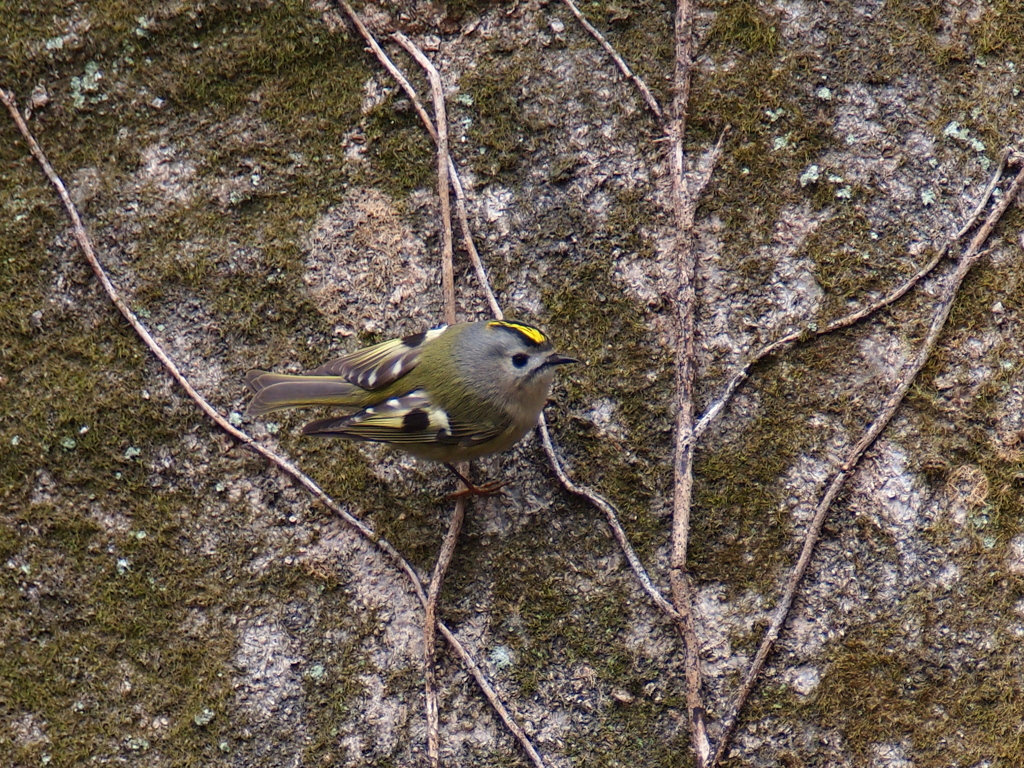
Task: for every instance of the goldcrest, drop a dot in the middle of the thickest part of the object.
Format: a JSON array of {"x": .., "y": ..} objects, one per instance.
[{"x": 450, "y": 394}]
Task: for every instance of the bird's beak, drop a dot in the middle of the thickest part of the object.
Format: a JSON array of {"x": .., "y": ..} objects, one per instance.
[{"x": 555, "y": 359}]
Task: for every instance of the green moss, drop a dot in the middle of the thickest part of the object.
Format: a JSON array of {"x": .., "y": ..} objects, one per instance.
[
  {"x": 403, "y": 153},
  {"x": 550, "y": 614},
  {"x": 99, "y": 500},
  {"x": 277, "y": 56},
  {"x": 852, "y": 258},
  {"x": 459, "y": 10},
  {"x": 337, "y": 638},
  {"x": 872, "y": 692},
  {"x": 501, "y": 131},
  {"x": 543, "y": 619},
  {"x": 638, "y": 31},
  {"x": 740, "y": 528},
  {"x": 97, "y": 627},
  {"x": 743, "y": 26},
  {"x": 1000, "y": 29},
  {"x": 634, "y": 372},
  {"x": 778, "y": 127},
  {"x": 639, "y": 729}
]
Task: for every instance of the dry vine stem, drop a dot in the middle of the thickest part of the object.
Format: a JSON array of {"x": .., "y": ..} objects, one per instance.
[
  {"x": 613, "y": 522},
  {"x": 686, "y": 191},
  {"x": 447, "y": 551},
  {"x": 444, "y": 560},
  {"x": 82, "y": 237},
  {"x": 687, "y": 187},
  {"x": 685, "y": 442},
  {"x": 652, "y": 103},
  {"x": 743, "y": 373},
  {"x": 967, "y": 260},
  {"x": 440, "y": 133}
]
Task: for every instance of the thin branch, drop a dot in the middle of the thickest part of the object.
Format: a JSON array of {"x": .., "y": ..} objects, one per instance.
[
  {"x": 685, "y": 196},
  {"x": 506, "y": 717},
  {"x": 444, "y": 560},
  {"x": 652, "y": 103},
  {"x": 741, "y": 375},
  {"x": 467, "y": 243},
  {"x": 687, "y": 188},
  {"x": 967, "y": 261},
  {"x": 282, "y": 463},
  {"x": 611, "y": 514},
  {"x": 394, "y": 71}
]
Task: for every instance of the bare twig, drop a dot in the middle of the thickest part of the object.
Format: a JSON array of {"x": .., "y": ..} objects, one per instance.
[
  {"x": 613, "y": 522},
  {"x": 467, "y": 243},
  {"x": 652, "y": 103},
  {"x": 686, "y": 192},
  {"x": 967, "y": 261},
  {"x": 741, "y": 375},
  {"x": 282, "y": 463},
  {"x": 506, "y": 717},
  {"x": 444, "y": 559},
  {"x": 394, "y": 71}
]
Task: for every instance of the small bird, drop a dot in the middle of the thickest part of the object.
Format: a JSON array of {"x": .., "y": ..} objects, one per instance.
[{"x": 453, "y": 393}]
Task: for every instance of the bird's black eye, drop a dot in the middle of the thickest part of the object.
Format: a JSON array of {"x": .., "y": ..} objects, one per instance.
[{"x": 520, "y": 360}]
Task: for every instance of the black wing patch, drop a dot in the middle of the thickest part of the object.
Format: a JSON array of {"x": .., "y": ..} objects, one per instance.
[{"x": 411, "y": 418}]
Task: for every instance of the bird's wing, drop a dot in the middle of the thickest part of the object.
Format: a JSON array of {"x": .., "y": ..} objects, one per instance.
[
  {"x": 377, "y": 366},
  {"x": 411, "y": 418}
]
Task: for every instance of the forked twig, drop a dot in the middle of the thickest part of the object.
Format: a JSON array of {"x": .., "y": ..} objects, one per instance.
[
  {"x": 743, "y": 373},
  {"x": 687, "y": 189},
  {"x": 283, "y": 464},
  {"x": 967, "y": 261},
  {"x": 460, "y": 195},
  {"x": 612, "y": 515}
]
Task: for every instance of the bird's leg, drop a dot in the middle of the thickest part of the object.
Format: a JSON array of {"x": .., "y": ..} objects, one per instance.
[{"x": 487, "y": 489}]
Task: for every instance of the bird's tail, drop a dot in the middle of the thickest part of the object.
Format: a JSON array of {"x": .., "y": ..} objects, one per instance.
[{"x": 277, "y": 391}]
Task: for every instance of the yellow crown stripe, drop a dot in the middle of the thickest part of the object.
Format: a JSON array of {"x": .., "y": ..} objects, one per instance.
[{"x": 527, "y": 330}]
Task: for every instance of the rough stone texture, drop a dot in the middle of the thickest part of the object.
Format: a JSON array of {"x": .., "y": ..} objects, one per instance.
[{"x": 263, "y": 196}]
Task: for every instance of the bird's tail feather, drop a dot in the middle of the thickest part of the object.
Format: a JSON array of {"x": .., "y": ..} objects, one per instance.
[{"x": 277, "y": 391}]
